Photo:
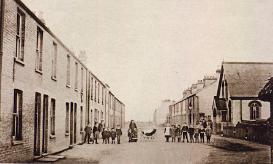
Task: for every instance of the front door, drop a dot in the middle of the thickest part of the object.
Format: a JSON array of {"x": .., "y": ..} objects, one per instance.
[
  {"x": 75, "y": 123},
  {"x": 45, "y": 124},
  {"x": 71, "y": 124},
  {"x": 37, "y": 124}
]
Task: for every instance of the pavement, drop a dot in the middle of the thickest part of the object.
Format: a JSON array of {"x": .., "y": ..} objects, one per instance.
[{"x": 157, "y": 151}]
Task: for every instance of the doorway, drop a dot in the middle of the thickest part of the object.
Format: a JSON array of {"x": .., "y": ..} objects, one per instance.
[
  {"x": 37, "y": 124},
  {"x": 75, "y": 123},
  {"x": 45, "y": 125},
  {"x": 71, "y": 124},
  {"x": 40, "y": 125}
]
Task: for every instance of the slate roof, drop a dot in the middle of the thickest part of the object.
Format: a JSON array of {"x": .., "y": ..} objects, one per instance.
[{"x": 246, "y": 79}]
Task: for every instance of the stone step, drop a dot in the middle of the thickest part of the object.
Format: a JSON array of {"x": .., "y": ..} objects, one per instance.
[
  {"x": 55, "y": 156},
  {"x": 46, "y": 159},
  {"x": 50, "y": 158}
]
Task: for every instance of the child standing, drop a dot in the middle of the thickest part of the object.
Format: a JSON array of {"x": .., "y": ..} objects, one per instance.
[
  {"x": 108, "y": 134},
  {"x": 96, "y": 133},
  {"x": 167, "y": 132},
  {"x": 202, "y": 134},
  {"x": 113, "y": 135},
  {"x": 191, "y": 133},
  {"x": 104, "y": 135},
  {"x": 88, "y": 132},
  {"x": 185, "y": 129},
  {"x": 178, "y": 133},
  {"x": 196, "y": 135},
  {"x": 208, "y": 133},
  {"x": 119, "y": 133},
  {"x": 173, "y": 133}
]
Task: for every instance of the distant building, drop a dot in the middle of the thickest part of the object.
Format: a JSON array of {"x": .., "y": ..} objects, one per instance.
[
  {"x": 236, "y": 99},
  {"x": 160, "y": 114},
  {"x": 195, "y": 104}
]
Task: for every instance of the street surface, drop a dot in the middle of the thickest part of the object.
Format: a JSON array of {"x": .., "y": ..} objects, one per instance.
[{"x": 223, "y": 150}]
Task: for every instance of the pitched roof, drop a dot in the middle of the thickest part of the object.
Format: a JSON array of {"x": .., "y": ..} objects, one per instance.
[{"x": 246, "y": 79}]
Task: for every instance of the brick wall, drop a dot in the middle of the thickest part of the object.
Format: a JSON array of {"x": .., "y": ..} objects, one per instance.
[{"x": 24, "y": 77}]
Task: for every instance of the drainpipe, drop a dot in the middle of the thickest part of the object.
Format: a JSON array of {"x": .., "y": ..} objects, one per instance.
[
  {"x": 271, "y": 129},
  {"x": 114, "y": 113},
  {"x": 1, "y": 43}
]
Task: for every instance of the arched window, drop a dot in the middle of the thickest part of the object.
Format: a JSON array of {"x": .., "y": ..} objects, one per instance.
[{"x": 255, "y": 110}]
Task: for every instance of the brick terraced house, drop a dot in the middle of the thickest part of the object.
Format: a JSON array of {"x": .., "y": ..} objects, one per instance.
[
  {"x": 195, "y": 104},
  {"x": 47, "y": 94}
]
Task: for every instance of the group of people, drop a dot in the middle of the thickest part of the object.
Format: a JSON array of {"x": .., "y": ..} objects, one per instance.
[
  {"x": 113, "y": 134},
  {"x": 92, "y": 135},
  {"x": 196, "y": 135}
]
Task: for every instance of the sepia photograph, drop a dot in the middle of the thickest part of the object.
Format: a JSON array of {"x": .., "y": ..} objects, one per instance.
[{"x": 136, "y": 81}]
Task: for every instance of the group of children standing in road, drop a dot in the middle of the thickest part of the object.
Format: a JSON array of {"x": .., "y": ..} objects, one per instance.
[
  {"x": 113, "y": 134},
  {"x": 106, "y": 134},
  {"x": 196, "y": 135}
]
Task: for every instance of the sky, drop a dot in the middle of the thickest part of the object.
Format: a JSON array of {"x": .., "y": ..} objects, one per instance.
[{"x": 151, "y": 50}]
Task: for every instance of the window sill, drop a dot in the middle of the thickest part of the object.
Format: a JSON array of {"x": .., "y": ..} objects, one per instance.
[
  {"x": 52, "y": 137},
  {"x": 66, "y": 134},
  {"x": 76, "y": 90},
  {"x": 39, "y": 72},
  {"x": 68, "y": 86},
  {"x": 53, "y": 78},
  {"x": 14, "y": 143},
  {"x": 16, "y": 60}
]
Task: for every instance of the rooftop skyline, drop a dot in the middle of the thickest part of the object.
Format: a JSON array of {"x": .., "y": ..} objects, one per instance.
[{"x": 148, "y": 51}]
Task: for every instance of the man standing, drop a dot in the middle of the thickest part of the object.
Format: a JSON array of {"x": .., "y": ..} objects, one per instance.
[
  {"x": 119, "y": 133},
  {"x": 185, "y": 129},
  {"x": 88, "y": 131}
]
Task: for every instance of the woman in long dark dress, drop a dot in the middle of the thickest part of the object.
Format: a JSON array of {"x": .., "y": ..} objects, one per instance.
[{"x": 132, "y": 132}]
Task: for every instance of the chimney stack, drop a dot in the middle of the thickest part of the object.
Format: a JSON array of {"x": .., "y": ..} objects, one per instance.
[
  {"x": 209, "y": 79},
  {"x": 200, "y": 84}
]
